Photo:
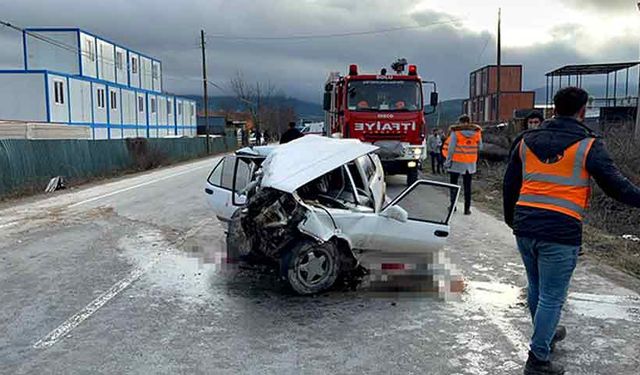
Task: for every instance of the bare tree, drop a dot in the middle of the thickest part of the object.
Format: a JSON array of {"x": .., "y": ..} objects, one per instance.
[{"x": 254, "y": 97}]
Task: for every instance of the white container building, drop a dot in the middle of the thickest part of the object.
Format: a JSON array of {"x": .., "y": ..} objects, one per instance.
[{"x": 73, "y": 77}]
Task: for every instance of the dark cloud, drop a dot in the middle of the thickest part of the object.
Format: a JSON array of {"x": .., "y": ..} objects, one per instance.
[
  {"x": 614, "y": 6},
  {"x": 445, "y": 52}
]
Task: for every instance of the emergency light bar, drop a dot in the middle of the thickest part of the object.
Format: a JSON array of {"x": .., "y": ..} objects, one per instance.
[
  {"x": 413, "y": 70},
  {"x": 353, "y": 70}
]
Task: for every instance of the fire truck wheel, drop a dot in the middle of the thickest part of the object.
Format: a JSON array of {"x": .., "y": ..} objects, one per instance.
[{"x": 412, "y": 176}]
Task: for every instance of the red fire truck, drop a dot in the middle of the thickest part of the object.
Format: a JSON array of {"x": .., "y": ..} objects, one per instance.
[{"x": 386, "y": 110}]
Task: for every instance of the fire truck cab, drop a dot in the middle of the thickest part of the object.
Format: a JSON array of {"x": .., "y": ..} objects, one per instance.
[{"x": 386, "y": 110}]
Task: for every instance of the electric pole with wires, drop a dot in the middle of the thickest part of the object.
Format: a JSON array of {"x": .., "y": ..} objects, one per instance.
[{"x": 204, "y": 86}]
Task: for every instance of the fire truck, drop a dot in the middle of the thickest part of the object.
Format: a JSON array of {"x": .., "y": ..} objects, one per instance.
[{"x": 386, "y": 110}]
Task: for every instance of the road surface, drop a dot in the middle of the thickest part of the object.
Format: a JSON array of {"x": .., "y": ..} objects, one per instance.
[{"x": 122, "y": 277}]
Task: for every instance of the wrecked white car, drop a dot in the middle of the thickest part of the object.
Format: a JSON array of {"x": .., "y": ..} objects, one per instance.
[{"x": 316, "y": 209}]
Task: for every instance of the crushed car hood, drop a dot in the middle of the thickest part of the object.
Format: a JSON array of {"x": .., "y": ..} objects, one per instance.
[{"x": 296, "y": 163}]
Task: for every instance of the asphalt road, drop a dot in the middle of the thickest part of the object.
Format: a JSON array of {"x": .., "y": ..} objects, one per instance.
[{"x": 123, "y": 277}]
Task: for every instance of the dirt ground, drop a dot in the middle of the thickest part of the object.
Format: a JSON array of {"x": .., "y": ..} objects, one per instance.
[{"x": 601, "y": 242}]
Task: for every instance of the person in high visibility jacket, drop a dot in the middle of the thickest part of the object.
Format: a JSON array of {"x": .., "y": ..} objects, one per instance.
[
  {"x": 546, "y": 192},
  {"x": 460, "y": 150}
]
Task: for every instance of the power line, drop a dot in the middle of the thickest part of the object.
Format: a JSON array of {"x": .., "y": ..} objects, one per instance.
[{"x": 333, "y": 35}]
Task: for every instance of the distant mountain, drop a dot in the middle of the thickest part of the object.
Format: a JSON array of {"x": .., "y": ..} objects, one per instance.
[
  {"x": 305, "y": 110},
  {"x": 447, "y": 114}
]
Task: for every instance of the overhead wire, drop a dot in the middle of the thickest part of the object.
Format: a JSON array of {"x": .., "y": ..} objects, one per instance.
[{"x": 329, "y": 35}]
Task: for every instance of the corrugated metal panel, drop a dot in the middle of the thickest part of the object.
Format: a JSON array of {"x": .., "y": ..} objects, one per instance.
[{"x": 30, "y": 164}]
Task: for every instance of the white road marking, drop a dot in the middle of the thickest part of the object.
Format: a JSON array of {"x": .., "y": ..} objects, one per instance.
[
  {"x": 71, "y": 323},
  {"x": 136, "y": 186}
]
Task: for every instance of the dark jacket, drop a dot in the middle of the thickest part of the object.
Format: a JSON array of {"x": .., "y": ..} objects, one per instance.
[
  {"x": 290, "y": 135},
  {"x": 551, "y": 139}
]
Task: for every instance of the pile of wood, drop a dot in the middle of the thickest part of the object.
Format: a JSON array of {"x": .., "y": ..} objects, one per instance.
[{"x": 42, "y": 130}]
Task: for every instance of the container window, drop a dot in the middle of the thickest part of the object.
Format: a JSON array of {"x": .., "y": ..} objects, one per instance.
[
  {"x": 169, "y": 107},
  {"x": 90, "y": 52},
  {"x": 114, "y": 100},
  {"x": 154, "y": 71},
  {"x": 153, "y": 105},
  {"x": 119, "y": 60},
  {"x": 58, "y": 92},
  {"x": 134, "y": 65},
  {"x": 140, "y": 104},
  {"x": 101, "y": 98}
]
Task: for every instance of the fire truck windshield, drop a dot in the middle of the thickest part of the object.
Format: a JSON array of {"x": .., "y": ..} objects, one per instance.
[{"x": 384, "y": 96}]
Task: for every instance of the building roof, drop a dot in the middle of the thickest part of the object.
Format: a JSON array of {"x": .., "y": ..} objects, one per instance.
[{"x": 591, "y": 69}]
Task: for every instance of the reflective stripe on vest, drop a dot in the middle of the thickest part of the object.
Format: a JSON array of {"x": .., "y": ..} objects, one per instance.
[
  {"x": 466, "y": 150},
  {"x": 562, "y": 186}
]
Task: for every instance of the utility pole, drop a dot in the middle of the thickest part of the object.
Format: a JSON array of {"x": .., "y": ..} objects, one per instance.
[
  {"x": 637, "y": 129},
  {"x": 499, "y": 63},
  {"x": 204, "y": 86}
]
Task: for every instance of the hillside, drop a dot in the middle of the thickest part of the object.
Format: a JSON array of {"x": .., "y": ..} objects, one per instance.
[
  {"x": 448, "y": 110},
  {"x": 303, "y": 109}
]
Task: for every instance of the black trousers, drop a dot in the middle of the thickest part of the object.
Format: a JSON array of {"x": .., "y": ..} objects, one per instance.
[
  {"x": 436, "y": 163},
  {"x": 466, "y": 182}
]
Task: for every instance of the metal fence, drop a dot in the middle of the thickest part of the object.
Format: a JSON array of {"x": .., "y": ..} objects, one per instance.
[{"x": 28, "y": 165}]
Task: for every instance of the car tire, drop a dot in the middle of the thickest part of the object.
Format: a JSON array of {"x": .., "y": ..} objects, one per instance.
[
  {"x": 412, "y": 176},
  {"x": 310, "y": 268},
  {"x": 238, "y": 244}
]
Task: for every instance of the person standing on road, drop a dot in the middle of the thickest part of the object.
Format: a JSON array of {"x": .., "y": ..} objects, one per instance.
[
  {"x": 461, "y": 152},
  {"x": 291, "y": 133},
  {"x": 546, "y": 191},
  {"x": 433, "y": 145}
]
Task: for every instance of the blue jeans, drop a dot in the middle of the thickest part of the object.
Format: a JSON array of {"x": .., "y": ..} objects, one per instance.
[{"x": 549, "y": 268}]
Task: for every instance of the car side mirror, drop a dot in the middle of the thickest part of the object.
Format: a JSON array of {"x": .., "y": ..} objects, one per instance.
[
  {"x": 326, "y": 103},
  {"x": 433, "y": 100},
  {"x": 396, "y": 213}
]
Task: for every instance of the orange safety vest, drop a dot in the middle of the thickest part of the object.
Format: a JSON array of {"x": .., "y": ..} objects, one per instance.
[
  {"x": 466, "y": 147},
  {"x": 562, "y": 186}
]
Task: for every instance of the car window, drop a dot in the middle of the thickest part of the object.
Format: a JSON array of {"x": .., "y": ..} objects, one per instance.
[
  {"x": 216, "y": 174},
  {"x": 357, "y": 177},
  {"x": 368, "y": 166},
  {"x": 428, "y": 202},
  {"x": 227, "y": 172},
  {"x": 243, "y": 174}
]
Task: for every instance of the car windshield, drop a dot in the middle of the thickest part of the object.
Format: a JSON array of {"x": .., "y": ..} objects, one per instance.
[{"x": 384, "y": 96}]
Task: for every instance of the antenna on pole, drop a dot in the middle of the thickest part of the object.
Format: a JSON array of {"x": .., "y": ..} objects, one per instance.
[{"x": 499, "y": 63}]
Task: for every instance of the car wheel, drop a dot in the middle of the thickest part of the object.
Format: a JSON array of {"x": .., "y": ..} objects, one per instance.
[
  {"x": 310, "y": 267},
  {"x": 238, "y": 244},
  {"x": 412, "y": 176}
]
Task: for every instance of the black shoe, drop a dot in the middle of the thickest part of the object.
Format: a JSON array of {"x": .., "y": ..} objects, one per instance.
[
  {"x": 534, "y": 366},
  {"x": 467, "y": 211},
  {"x": 561, "y": 333}
]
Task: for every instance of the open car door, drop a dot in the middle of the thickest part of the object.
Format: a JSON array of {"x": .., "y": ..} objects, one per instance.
[
  {"x": 417, "y": 220},
  {"x": 232, "y": 173}
]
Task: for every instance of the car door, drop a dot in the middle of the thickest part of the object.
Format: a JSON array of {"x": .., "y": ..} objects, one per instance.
[
  {"x": 230, "y": 172},
  {"x": 416, "y": 221}
]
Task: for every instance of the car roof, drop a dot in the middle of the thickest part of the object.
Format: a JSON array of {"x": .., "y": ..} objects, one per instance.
[{"x": 294, "y": 164}]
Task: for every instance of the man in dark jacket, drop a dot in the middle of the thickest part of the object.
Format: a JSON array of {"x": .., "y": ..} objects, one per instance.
[
  {"x": 291, "y": 134},
  {"x": 546, "y": 189}
]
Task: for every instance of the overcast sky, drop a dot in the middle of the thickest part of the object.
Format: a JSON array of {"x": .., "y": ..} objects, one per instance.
[{"x": 448, "y": 39}]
